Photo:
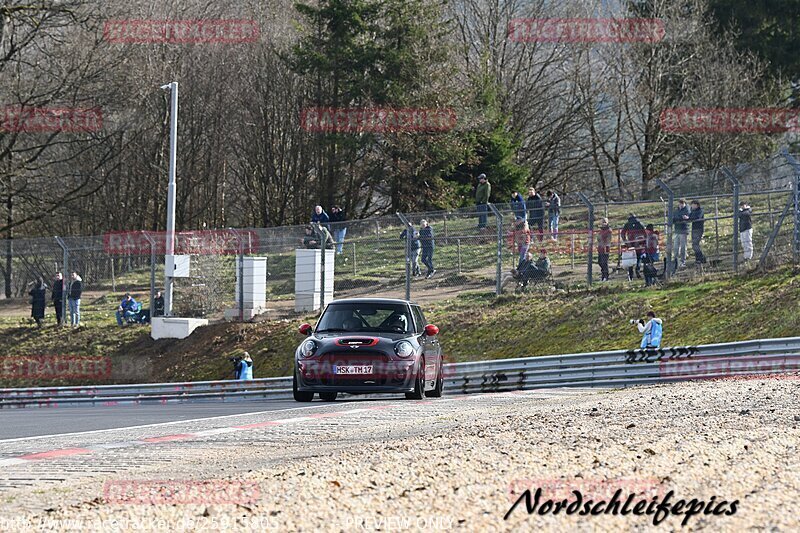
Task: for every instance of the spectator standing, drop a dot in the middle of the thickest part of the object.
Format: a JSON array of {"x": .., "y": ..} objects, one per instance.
[
  {"x": 518, "y": 206},
  {"x": 604, "y": 237},
  {"x": 128, "y": 310},
  {"x": 74, "y": 300},
  {"x": 536, "y": 212},
  {"x": 554, "y": 211},
  {"x": 57, "y": 296},
  {"x": 651, "y": 237},
  {"x": 519, "y": 238},
  {"x": 38, "y": 301},
  {"x": 339, "y": 227},
  {"x": 158, "y": 304},
  {"x": 680, "y": 227},
  {"x": 427, "y": 244},
  {"x": 244, "y": 369},
  {"x": 633, "y": 235},
  {"x": 320, "y": 216},
  {"x": 414, "y": 249},
  {"x": 698, "y": 228},
  {"x": 482, "y": 194},
  {"x": 746, "y": 229}
]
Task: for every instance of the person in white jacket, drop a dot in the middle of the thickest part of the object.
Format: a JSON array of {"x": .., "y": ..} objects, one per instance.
[{"x": 651, "y": 330}]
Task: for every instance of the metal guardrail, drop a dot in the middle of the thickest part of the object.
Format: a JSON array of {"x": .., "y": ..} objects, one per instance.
[{"x": 621, "y": 368}]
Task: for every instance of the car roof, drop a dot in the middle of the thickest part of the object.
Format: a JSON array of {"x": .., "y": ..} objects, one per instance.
[{"x": 372, "y": 300}]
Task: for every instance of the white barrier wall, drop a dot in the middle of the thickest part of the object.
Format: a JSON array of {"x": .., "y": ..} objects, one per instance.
[
  {"x": 255, "y": 288},
  {"x": 308, "y": 279}
]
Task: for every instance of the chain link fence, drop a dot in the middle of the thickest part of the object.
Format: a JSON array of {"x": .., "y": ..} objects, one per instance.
[{"x": 435, "y": 255}]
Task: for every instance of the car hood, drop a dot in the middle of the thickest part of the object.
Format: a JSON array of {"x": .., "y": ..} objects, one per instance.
[{"x": 382, "y": 336}]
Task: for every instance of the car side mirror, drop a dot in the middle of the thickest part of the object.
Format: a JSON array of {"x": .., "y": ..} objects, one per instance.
[
  {"x": 306, "y": 329},
  {"x": 431, "y": 330}
]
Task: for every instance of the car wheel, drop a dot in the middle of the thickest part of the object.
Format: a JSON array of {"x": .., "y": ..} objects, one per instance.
[
  {"x": 328, "y": 396},
  {"x": 419, "y": 383},
  {"x": 300, "y": 396},
  {"x": 437, "y": 391}
]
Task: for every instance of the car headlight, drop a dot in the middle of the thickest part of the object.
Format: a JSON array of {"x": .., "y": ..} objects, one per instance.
[
  {"x": 403, "y": 349},
  {"x": 308, "y": 348}
]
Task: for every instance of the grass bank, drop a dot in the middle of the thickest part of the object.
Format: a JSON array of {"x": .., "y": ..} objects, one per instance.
[{"x": 474, "y": 326}]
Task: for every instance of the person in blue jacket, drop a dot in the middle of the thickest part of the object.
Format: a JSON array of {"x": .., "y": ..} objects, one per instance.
[
  {"x": 518, "y": 206},
  {"x": 320, "y": 216},
  {"x": 651, "y": 330},
  {"x": 128, "y": 310},
  {"x": 244, "y": 368}
]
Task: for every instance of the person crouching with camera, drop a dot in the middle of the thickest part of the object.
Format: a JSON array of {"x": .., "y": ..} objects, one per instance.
[{"x": 651, "y": 330}]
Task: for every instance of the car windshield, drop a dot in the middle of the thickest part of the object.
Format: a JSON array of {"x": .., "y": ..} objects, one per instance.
[{"x": 366, "y": 317}]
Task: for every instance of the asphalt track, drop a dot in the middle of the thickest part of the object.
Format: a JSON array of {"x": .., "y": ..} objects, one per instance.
[{"x": 37, "y": 422}]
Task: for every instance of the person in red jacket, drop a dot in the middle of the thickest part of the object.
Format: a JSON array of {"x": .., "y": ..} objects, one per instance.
[{"x": 519, "y": 238}]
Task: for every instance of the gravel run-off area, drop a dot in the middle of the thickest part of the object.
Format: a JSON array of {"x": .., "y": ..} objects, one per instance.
[{"x": 460, "y": 464}]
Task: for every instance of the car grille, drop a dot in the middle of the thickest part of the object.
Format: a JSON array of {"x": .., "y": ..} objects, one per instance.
[{"x": 357, "y": 357}]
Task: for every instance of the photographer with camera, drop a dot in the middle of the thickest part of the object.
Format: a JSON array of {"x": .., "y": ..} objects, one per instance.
[
  {"x": 242, "y": 367},
  {"x": 652, "y": 330}
]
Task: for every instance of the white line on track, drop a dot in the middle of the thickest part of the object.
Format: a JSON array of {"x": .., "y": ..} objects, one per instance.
[{"x": 187, "y": 421}]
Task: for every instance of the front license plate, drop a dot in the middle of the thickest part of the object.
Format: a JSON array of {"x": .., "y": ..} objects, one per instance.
[{"x": 352, "y": 370}]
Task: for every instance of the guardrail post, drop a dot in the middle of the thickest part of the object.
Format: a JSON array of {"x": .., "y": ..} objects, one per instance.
[
  {"x": 670, "y": 200},
  {"x": 65, "y": 277},
  {"x": 499, "y": 275},
  {"x": 590, "y": 247},
  {"x": 735, "y": 182},
  {"x": 409, "y": 238},
  {"x": 152, "y": 273}
]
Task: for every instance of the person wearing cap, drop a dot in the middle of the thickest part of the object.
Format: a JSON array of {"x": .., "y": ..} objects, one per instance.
[
  {"x": 542, "y": 265},
  {"x": 604, "y": 237},
  {"x": 633, "y": 235},
  {"x": 745, "y": 229},
  {"x": 244, "y": 369},
  {"x": 482, "y": 193}
]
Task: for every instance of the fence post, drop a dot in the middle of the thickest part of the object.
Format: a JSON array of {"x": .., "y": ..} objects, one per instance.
[
  {"x": 572, "y": 251},
  {"x": 152, "y": 273},
  {"x": 671, "y": 200},
  {"x": 590, "y": 253},
  {"x": 735, "y": 183},
  {"x": 499, "y": 273},
  {"x": 716, "y": 225},
  {"x": 354, "y": 259},
  {"x": 240, "y": 269},
  {"x": 796, "y": 197},
  {"x": 458, "y": 251},
  {"x": 65, "y": 293},
  {"x": 409, "y": 237}
]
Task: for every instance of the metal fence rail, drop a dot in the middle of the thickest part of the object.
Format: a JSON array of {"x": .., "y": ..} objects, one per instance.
[{"x": 621, "y": 368}]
